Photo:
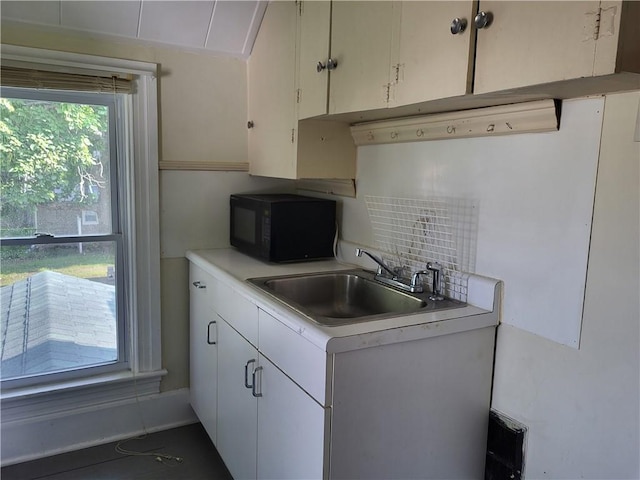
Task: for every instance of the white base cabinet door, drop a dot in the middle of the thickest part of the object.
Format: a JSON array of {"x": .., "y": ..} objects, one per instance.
[
  {"x": 291, "y": 428},
  {"x": 237, "y": 407},
  {"x": 202, "y": 348}
]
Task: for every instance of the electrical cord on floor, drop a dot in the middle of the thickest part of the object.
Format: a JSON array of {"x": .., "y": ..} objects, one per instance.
[{"x": 164, "y": 458}]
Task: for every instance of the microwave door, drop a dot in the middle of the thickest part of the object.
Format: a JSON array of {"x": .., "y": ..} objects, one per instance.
[{"x": 244, "y": 226}]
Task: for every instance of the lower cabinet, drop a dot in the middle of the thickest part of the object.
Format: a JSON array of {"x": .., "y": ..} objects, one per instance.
[
  {"x": 291, "y": 428},
  {"x": 268, "y": 427},
  {"x": 278, "y": 407},
  {"x": 237, "y": 406},
  {"x": 203, "y": 348}
]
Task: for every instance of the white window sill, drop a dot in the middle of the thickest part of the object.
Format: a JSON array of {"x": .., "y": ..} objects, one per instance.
[{"x": 73, "y": 395}]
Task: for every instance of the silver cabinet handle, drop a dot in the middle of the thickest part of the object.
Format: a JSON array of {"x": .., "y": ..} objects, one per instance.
[
  {"x": 330, "y": 65},
  {"x": 209, "y": 341},
  {"x": 253, "y": 388},
  {"x": 458, "y": 25},
  {"x": 199, "y": 285},
  {"x": 483, "y": 19},
  {"x": 246, "y": 374}
]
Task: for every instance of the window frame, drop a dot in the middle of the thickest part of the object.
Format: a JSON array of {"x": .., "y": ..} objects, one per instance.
[{"x": 142, "y": 241}]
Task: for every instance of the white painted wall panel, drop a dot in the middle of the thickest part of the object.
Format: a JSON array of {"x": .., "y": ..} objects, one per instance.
[
  {"x": 180, "y": 23},
  {"x": 112, "y": 18},
  {"x": 535, "y": 195},
  {"x": 194, "y": 207},
  {"x": 230, "y": 25},
  {"x": 46, "y": 12},
  {"x": 581, "y": 407}
]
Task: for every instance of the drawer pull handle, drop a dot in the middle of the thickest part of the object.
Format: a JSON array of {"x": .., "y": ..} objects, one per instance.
[
  {"x": 199, "y": 285},
  {"x": 209, "y": 341},
  {"x": 253, "y": 388},
  {"x": 246, "y": 373}
]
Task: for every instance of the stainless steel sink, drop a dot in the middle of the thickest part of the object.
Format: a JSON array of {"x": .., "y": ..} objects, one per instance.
[{"x": 344, "y": 297}]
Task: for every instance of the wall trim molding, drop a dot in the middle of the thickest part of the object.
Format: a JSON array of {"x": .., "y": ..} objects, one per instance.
[
  {"x": 204, "y": 166},
  {"x": 42, "y": 436},
  {"x": 527, "y": 117}
]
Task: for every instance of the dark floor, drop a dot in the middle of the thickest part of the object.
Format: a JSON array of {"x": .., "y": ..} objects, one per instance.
[{"x": 199, "y": 460}]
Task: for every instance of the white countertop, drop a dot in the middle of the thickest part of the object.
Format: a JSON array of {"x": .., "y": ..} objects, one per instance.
[{"x": 232, "y": 267}]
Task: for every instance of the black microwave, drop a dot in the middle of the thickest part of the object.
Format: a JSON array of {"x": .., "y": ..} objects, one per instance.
[{"x": 283, "y": 227}]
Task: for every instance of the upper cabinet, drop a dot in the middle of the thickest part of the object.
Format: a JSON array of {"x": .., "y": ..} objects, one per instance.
[
  {"x": 344, "y": 54},
  {"x": 279, "y": 145},
  {"x": 432, "y": 51},
  {"x": 382, "y": 54},
  {"x": 314, "y": 31},
  {"x": 316, "y": 65},
  {"x": 361, "y": 54},
  {"x": 271, "y": 85},
  {"x": 528, "y": 43}
]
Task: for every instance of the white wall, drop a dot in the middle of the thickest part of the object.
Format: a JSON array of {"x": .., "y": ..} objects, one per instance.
[
  {"x": 580, "y": 405},
  {"x": 534, "y": 197},
  {"x": 194, "y": 214}
]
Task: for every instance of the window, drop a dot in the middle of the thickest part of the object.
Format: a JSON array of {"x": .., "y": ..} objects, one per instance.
[
  {"x": 79, "y": 238},
  {"x": 61, "y": 311}
]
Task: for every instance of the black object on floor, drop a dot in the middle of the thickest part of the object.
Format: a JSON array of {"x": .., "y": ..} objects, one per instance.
[{"x": 184, "y": 453}]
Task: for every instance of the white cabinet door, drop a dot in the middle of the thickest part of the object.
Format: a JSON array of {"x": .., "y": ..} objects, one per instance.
[
  {"x": 203, "y": 348},
  {"x": 314, "y": 27},
  {"x": 237, "y": 407},
  {"x": 291, "y": 428},
  {"x": 529, "y": 43},
  {"x": 430, "y": 61},
  {"x": 361, "y": 44},
  {"x": 272, "y": 94}
]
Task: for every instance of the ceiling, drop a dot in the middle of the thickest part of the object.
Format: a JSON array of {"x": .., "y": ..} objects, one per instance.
[{"x": 225, "y": 27}]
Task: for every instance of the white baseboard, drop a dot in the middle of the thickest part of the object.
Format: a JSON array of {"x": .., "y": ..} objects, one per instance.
[{"x": 28, "y": 439}]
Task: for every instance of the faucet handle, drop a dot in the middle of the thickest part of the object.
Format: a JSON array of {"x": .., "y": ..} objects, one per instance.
[
  {"x": 436, "y": 290},
  {"x": 433, "y": 266}
]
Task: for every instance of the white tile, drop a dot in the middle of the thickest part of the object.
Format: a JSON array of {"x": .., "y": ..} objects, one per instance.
[
  {"x": 115, "y": 18},
  {"x": 232, "y": 20},
  {"x": 47, "y": 12},
  {"x": 177, "y": 22}
]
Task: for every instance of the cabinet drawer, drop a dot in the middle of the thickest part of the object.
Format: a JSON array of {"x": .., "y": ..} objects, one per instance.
[
  {"x": 202, "y": 286},
  {"x": 298, "y": 358},
  {"x": 238, "y": 311}
]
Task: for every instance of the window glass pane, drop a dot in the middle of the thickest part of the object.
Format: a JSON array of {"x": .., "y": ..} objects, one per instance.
[
  {"x": 55, "y": 170},
  {"x": 58, "y": 306}
]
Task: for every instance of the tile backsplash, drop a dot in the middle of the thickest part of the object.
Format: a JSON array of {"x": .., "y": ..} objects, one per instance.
[{"x": 414, "y": 231}]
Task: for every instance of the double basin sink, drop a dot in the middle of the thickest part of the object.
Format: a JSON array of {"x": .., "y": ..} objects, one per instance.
[{"x": 346, "y": 297}]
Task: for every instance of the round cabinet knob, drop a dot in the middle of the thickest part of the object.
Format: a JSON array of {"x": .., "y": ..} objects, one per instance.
[
  {"x": 250, "y": 124},
  {"x": 320, "y": 67},
  {"x": 332, "y": 64},
  {"x": 483, "y": 19},
  {"x": 458, "y": 25}
]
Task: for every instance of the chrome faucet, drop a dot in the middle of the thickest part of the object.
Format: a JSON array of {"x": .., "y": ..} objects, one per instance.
[
  {"x": 386, "y": 275},
  {"x": 381, "y": 265},
  {"x": 391, "y": 277}
]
